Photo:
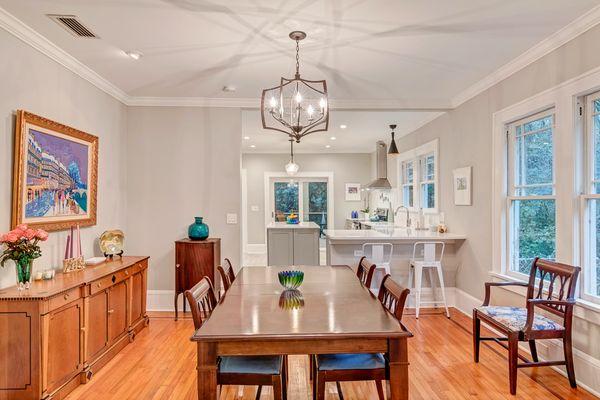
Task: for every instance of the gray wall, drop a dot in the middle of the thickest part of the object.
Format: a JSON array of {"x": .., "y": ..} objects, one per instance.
[
  {"x": 346, "y": 168},
  {"x": 29, "y": 80},
  {"x": 465, "y": 136},
  {"x": 183, "y": 162}
]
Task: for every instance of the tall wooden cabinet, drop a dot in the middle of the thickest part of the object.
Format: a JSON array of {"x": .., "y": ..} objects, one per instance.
[
  {"x": 195, "y": 259},
  {"x": 54, "y": 336}
]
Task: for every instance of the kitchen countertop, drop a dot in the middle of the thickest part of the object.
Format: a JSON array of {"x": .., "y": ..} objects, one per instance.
[
  {"x": 389, "y": 234},
  {"x": 301, "y": 225}
]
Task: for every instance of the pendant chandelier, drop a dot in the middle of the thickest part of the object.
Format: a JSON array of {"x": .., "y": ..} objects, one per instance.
[
  {"x": 297, "y": 107},
  {"x": 291, "y": 168},
  {"x": 393, "y": 147}
]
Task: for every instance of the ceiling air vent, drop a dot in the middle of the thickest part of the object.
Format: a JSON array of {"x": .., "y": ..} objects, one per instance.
[{"x": 71, "y": 24}]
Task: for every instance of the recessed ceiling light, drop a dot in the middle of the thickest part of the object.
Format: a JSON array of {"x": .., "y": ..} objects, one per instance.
[
  {"x": 333, "y": 138},
  {"x": 253, "y": 146},
  {"x": 246, "y": 137},
  {"x": 229, "y": 88},
  {"x": 327, "y": 146},
  {"x": 343, "y": 126},
  {"x": 136, "y": 55}
]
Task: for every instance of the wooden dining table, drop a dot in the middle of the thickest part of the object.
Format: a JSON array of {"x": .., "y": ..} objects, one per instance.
[{"x": 331, "y": 313}]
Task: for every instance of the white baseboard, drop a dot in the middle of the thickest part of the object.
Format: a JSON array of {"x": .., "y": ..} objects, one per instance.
[
  {"x": 587, "y": 368},
  {"x": 163, "y": 300},
  {"x": 256, "y": 248}
]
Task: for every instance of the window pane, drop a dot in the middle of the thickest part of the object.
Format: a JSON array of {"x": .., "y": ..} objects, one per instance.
[
  {"x": 596, "y": 136},
  {"x": 428, "y": 168},
  {"x": 533, "y": 160},
  {"x": 593, "y": 271},
  {"x": 409, "y": 173},
  {"x": 428, "y": 195},
  {"x": 538, "y": 124},
  {"x": 286, "y": 199},
  {"x": 533, "y": 232},
  {"x": 407, "y": 195},
  {"x": 534, "y": 191},
  {"x": 597, "y": 105}
]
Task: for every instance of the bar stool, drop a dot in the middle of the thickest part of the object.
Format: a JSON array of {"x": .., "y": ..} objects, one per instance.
[
  {"x": 429, "y": 262},
  {"x": 379, "y": 254}
]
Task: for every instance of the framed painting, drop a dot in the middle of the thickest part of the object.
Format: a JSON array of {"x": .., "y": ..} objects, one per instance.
[
  {"x": 462, "y": 186},
  {"x": 55, "y": 174},
  {"x": 352, "y": 191}
]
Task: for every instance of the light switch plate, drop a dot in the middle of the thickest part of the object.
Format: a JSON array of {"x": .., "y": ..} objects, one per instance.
[{"x": 232, "y": 218}]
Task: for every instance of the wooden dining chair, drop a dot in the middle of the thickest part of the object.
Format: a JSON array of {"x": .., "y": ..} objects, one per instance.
[
  {"x": 230, "y": 271},
  {"x": 225, "y": 280},
  {"x": 238, "y": 370},
  {"x": 365, "y": 271},
  {"x": 551, "y": 287},
  {"x": 360, "y": 366}
]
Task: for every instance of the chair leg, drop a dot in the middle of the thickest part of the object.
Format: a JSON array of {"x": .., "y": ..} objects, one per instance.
[
  {"x": 443, "y": 288},
  {"x": 284, "y": 378},
  {"x": 320, "y": 386},
  {"x": 277, "y": 387},
  {"x": 568, "y": 350},
  {"x": 176, "y": 311},
  {"x": 533, "y": 349},
  {"x": 258, "y": 392},
  {"x": 418, "y": 280},
  {"x": 513, "y": 358},
  {"x": 339, "y": 390},
  {"x": 379, "y": 390},
  {"x": 476, "y": 336}
]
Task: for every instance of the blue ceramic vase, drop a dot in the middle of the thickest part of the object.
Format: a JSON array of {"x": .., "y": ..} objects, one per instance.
[{"x": 198, "y": 230}]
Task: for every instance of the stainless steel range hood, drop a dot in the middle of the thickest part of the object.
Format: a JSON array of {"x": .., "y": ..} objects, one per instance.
[{"x": 381, "y": 182}]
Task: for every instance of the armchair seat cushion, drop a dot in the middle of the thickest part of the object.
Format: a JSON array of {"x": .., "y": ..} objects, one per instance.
[
  {"x": 514, "y": 318},
  {"x": 264, "y": 365},
  {"x": 334, "y": 362}
]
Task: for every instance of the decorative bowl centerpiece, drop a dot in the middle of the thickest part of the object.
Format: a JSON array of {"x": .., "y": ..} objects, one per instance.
[
  {"x": 293, "y": 219},
  {"x": 291, "y": 279}
]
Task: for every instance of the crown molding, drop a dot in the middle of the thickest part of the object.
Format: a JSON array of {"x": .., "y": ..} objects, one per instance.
[
  {"x": 192, "y": 102},
  {"x": 23, "y": 32},
  {"x": 546, "y": 46}
]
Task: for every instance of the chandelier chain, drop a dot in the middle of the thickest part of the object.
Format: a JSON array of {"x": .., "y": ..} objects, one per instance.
[{"x": 297, "y": 57}]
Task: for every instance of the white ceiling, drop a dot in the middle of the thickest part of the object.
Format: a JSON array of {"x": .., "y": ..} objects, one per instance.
[
  {"x": 363, "y": 129},
  {"x": 420, "y": 53}
]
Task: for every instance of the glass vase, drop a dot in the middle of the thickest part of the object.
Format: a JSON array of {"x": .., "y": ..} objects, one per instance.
[{"x": 24, "y": 273}]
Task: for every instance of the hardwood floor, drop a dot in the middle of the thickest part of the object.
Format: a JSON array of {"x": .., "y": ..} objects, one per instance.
[{"x": 160, "y": 364}]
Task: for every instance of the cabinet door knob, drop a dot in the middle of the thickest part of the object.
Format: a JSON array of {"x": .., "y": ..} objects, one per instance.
[
  {"x": 66, "y": 296},
  {"x": 126, "y": 272},
  {"x": 111, "y": 311},
  {"x": 98, "y": 285}
]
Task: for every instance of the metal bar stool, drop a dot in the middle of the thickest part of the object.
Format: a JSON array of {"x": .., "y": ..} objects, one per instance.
[
  {"x": 379, "y": 254},
  {"x": 429, "y": 262}
]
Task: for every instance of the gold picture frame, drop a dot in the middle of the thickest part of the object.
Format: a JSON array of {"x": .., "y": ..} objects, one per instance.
[{"x": 55, "y": 174}]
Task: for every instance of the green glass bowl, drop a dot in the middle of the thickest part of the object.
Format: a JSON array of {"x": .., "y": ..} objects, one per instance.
[{"x": 291, "y": 279}]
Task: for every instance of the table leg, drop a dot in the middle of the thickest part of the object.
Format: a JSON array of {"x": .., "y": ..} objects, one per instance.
[
  {"x": 397, "y": 385},
  {"x": 207, "y": 371}
]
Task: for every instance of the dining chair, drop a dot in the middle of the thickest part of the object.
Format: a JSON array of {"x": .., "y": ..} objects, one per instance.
[
  {"x": 365, "y": 271},
  {"x": 551, "y": 287},
  {"x": 230, "y": 271},
  {"x": 429, "y": 262},
  {"x": 238, "y": 370},
  {"x": 360, "y": 366}
]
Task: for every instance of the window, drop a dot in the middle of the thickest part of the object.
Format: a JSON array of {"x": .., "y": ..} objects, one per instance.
[
  {"x": 591, "y": 225},
  {"x": 427, "y": 181},
  {"x": 418, "y": 177},
  {"x": 531, "y": 189},
  {"x": 408, "y": 183}
]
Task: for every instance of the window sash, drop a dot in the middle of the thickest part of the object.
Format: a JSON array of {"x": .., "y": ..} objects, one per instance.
[{"x": 516, "y": 189}]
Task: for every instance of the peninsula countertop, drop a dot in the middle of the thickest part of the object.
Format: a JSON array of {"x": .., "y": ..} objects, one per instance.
[
  {"x": 301, "y": 225},
  {"x": 393, "y": 234}
]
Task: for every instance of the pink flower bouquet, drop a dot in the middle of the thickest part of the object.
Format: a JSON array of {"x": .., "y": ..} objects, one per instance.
[{"x": 22, "y": 247}]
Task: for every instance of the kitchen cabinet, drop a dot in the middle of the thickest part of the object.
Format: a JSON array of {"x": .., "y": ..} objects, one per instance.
[{"x": 293, "y": 244}]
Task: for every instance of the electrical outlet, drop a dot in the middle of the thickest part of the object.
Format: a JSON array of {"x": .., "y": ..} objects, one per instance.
[
  {"x": 254, "y": 208},
  {"x": 232, "y": 218},
  {"x": 358, "y": 253}
]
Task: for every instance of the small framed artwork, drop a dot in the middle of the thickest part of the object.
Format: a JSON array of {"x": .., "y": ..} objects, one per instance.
[
  {"x": 352, "y": 191},
  {"x": 462, "y": 186},
  {"x": 55, "y": 174}
]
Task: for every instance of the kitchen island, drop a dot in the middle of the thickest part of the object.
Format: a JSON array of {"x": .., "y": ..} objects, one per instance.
[
  {"x": 293, "y": 244},
  {"x": 345, "y": 247}
]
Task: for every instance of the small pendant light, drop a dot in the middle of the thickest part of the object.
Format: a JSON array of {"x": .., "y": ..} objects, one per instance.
[
  {"x": 393, "y": 148},
  {"x": 291, "y": 168}
]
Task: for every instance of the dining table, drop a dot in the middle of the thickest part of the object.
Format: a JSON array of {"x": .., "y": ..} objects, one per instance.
[{"x": 330, "y": 313}]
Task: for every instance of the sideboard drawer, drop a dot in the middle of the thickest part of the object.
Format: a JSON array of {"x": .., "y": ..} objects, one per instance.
[
  {"x": 108, "y": 281},
  {"x": 63, "y": 298}
]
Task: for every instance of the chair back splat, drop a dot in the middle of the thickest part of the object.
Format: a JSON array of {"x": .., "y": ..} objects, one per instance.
[
  {"x": 230, "y": 271},
  {"x": 393, "y": 296},
  {"x": 365, "y": 271},
  {"x": 561, "y": 280},
  {"x": 202, "y": 301}
]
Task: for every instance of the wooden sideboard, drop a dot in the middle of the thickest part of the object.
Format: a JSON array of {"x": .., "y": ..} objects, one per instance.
[
  {"x": 54, "y": 336},
  {"x": 195, "y": 259}
]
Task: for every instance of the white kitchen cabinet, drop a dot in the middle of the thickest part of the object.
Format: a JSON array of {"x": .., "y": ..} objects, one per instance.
[{"x": 289, "y": 244}]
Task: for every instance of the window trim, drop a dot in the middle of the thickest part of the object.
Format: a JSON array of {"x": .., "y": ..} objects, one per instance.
[{"x": 415, "y": 155}]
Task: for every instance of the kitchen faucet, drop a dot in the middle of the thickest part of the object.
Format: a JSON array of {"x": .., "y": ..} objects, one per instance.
[{"x": 408, "y": 222}]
